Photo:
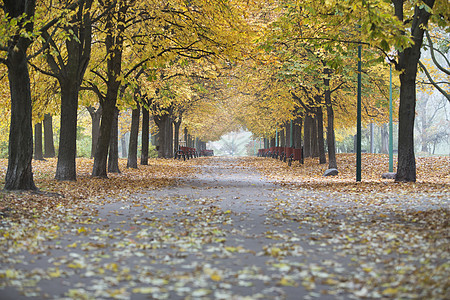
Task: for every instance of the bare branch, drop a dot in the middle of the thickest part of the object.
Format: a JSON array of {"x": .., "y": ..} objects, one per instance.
[
  {"x": 430, "y": 42},
  {"x": 432, "y": 81}
]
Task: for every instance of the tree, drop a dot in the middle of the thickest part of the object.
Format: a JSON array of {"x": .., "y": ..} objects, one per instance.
[
  {"x": 145, "y": 135},
  {"x": 38, "y": 154},
  {"x": 49, "y": 146},
  {"x": 69, "y": 71},
  {"x": 408, "y": 60},
  {"x": 20, "y": 13},
  {"x": 134, "y": 133},
  {"x": 114, "y": 37}
]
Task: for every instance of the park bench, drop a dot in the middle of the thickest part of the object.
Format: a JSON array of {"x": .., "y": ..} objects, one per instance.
[
  {"x": 206, "y": 152},
  {"x": 297, "y": 155},
  {"x": 286, "y": 154},
  {"x": 186, "y": 153}
]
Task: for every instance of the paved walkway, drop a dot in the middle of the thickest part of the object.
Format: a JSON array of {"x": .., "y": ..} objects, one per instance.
[{"x": 230, "y": 234}]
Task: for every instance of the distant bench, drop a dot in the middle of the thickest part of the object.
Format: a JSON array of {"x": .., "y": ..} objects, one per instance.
[
  {"x": 286, "y": 154},
  {"x": 188, "y": 152}
]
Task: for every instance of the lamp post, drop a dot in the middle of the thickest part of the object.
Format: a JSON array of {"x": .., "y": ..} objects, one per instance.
[
  {"x": 389, "y": 60},
  {"x": 391, "y": 139},
  {"x": 358, "y": 120},
  {"x": 276, "y": 137}
]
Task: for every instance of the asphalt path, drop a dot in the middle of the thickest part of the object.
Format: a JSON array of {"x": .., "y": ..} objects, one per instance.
[{"x": 229, "y": 233}]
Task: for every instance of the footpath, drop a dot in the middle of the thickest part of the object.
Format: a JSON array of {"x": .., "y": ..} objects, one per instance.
[{"x": 229, "y": 233}]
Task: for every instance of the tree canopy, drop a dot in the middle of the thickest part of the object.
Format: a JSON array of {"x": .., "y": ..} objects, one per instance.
[{"x": 215, "y": 66}]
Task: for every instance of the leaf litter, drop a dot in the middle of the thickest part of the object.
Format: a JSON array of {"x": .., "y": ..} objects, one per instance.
[{"x": 216, "y": 229}]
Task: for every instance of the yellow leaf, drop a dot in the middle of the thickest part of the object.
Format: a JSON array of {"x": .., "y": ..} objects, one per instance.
[
  {"x": 285, "y": 281},
  {"x": 216, "y": 277},
  {"x": 330, "y": 281},
  {"x": 54, "y": 274},
  {"x": 390, "y": 291}
]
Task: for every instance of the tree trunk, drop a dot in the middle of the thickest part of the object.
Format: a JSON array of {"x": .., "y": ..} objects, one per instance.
[
  {"x": 320, "y": 141},
  {"x": 70, "y": 73},
  {"x": 66, "y": 166},
  {"x": 38, "y": 154},
  {"x": 19, "y": 175},
  {"x": 384, "y": 139},
  {"x": 49, "y": 145},
  {"x": 186, "y": 136},
  {"x": 134, "y": 134},
  {"x": 314, "y": 138},
  {"x": 113, "y": 157},
  {"x": 165, "y": 142},
  {"x": 115, "y": 27},
  {"x": 407, "y": 63},
  {"x": 123, "y": 144},
  {"x": 272, "y": 142},
  {"x": 297, "y": 128},
  {"x": 145, "y": 136},
  {"x": 176, "y": 139},
  {"x": 307, "y": 136},
  {"x": 282, "y": 137},
  {"x": 424, "y": 130},
  {"x": 96, "y": 116},
  {"x": 331, "y": 141},
  {"x": 288, "y": 134}
]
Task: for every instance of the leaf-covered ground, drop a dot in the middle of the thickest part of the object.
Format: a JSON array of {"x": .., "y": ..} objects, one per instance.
[{"x": 220, "y": 228}]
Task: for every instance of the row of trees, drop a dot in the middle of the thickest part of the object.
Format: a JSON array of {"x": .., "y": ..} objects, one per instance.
[
  {"x": 134, "y": 51},
  {"x": 204, "y": 64},
  {"x": 310, "y": 68}
]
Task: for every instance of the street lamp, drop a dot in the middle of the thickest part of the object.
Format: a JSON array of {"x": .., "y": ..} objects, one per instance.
[
  {"x": 391, "y": 138},
  {"x": 358, "y": 120}
]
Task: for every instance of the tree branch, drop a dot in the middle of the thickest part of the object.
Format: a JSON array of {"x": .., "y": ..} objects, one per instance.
[
  {"x": 433, "y": 56},
  {"x": 433, "y": 82},
  {"x": 100, "y": 75},
  {"x": 42, "y": 70}
]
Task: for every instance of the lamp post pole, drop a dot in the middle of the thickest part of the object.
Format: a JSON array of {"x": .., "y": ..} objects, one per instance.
[
  {"x": 276, "y": 137},
  {"x": 358, "y": 121},
  {"x": 391, "y": 142}
]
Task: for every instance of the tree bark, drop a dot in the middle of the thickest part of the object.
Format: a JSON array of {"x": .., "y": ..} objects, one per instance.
[
  {"x": 297, "y": 128},
  {"x": 114, "y": 45},
  {"x": 320, "y": 140},
  {"x": 19, "y": 175},
  {"x": 38, "y": 154},
  {"x": 384, "y": 139},
  {"x": 134, "y": 134},
  {"x": 282, "y": 137},
  {"x": 272, "y": 142},
  {"x": 165, "y": 142},
  {"x": 307, "y": 136},
  {"x": 49, "y": 145},
  {"x": 331, "y": 140},
  {"x": 407, "y": 63},
  {"x": 96, "y": 116},
  {"x": 66, "y": 166},
  {"x": 113, "y": 157},
  {"x": 145, "y": 136},
  {"x": 123, "y": 144},
  {"x": 314, "y": 138}
]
